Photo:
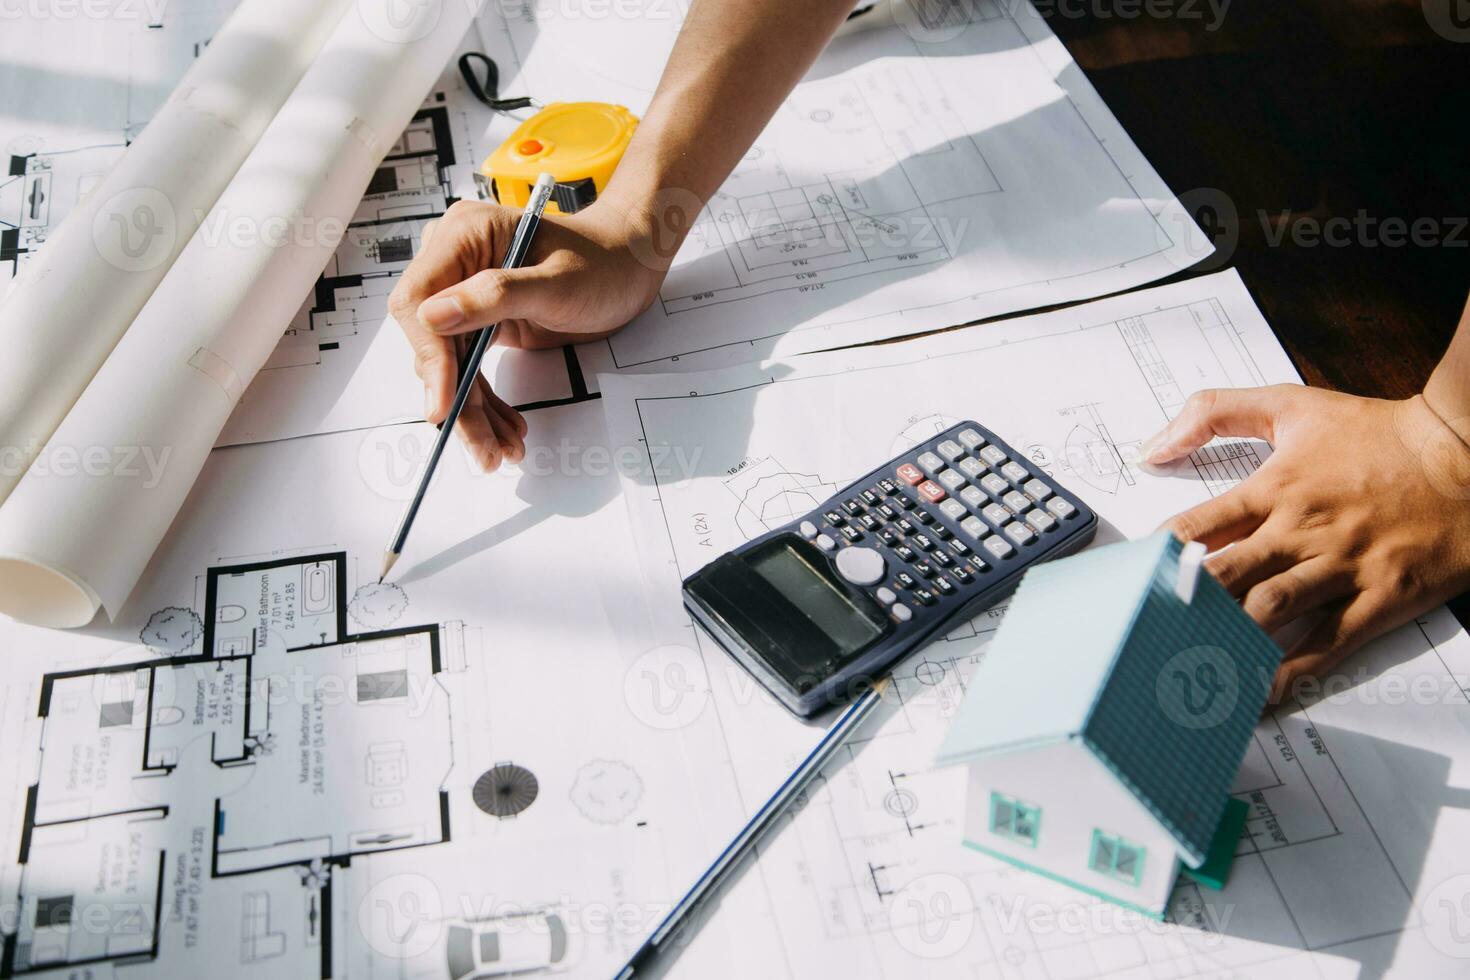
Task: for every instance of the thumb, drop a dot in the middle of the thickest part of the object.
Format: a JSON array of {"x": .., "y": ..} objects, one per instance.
[
  {"x": 488, "y": 297},
  {"x": 1210, "y": 413}
]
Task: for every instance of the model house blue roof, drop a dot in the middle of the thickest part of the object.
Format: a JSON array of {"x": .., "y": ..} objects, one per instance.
[{"x": 1164, "y": 691}]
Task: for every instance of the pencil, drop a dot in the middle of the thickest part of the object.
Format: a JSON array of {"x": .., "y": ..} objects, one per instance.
[
  {"x": 515, "y": 257},
  {"x": 757, "y": 826}
]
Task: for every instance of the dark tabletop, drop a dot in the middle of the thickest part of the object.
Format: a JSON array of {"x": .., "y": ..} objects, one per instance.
[{"x": 1284, "y": 114}]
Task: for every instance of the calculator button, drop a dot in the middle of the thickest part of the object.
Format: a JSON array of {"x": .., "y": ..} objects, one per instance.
[
  {"x": 925, "y": 569},
  {"x": 994, "y": 484},
  {"x": 971, "y": 439},
  {"x": 941, "y": 532},
  {"x": 861, "y": 566},
  {"x": 953, "y": 509},
  {"x": 904, "y": 553},
  {"x": 971, "y": 467},
  {"x": 910, "y": 474},
  {"x": 961, "y": 574},
  {"x": 1037, "y": 490},
  {"x": 993, "y": 455},
  {"x": 825, "y": 542},
  {"x": 922, "y": 542},
  {"x": 996, "y": 514},
  {"x": 930, "y": 463},
  {"x": 979, "y": 566},
  {"x": 1060, "y": 507},
  {"x": 1040, "y": 520},
  {"x": 834, "y": 518},
  {"x": 905, "y": 501},
  {"x": 886, "y": 512},
  {"x": 973, "y": 497},
  {"x": 998, "y": 546},
  {"x": 942, "y": 559},
  {"x": 887, "y": 536},
  {"x": 871, "y": 498},
  {"x": 869, "y": 522},
  {"x": 886, "y": 595},
  {"x": 951, "y": 480},
  {"x": 923, "y": 517},
  {"x": 902, "y": 613},
  {"x": 904, "y": 527},
  {"x": 951, "y": 450},
  {"x": 1019, "y": 533},
  {"x": 1016, "y": 501},
  {"x": 904, "y": 580},
  {"x": 808, "y": 530},
  {"x": 931, "y": 491},
  {"x": 852, "y": 534},
  {"x": 852, "y": 507},
  {"x": 1015, "y": 472},
  {"x": 887, "y": 486},
  {"x": 974, "y": 527},
  {"x": 944, "y": 585},
  {"x": 959, "y": 547},
  {"x": 924, "y": 597}
]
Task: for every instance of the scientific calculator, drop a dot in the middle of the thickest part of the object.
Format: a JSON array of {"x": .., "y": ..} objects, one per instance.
[{"x": 819, "y": 607}]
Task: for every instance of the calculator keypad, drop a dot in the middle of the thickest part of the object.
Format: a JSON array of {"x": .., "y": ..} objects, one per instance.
[{"x": 939, "y": 525}]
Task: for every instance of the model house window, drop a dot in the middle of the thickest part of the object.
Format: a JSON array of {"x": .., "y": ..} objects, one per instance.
[
  {"x": 1011, "y": 818},
  {"x": 1116, "y": 857}
]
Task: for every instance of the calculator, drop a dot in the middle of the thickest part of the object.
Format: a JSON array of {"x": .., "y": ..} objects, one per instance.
[{"x": 822, "y": 606}]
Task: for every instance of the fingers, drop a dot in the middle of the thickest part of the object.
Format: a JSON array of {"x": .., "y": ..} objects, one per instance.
[
  {"x": 487, "y": 297},
  {"x": 492, "y": 431},
  {"x": 1223, "y": 519},
  {"x": 1283, "y": 598},
  {"x": 1216, "y": 412},
  {"x": 1247, "y": 563},
  {"x": 1346, "y": 628}
]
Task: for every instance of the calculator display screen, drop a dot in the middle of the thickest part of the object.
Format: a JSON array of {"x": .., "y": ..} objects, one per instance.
[{"x": 816, "y": 597}]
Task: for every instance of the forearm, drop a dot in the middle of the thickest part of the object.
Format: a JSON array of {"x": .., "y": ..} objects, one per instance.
[
  {"x": 734, "y": 63},
  {"x": 1448, "y": 390}
]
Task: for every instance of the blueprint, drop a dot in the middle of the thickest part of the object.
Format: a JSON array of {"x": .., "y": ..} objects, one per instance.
[
  {"x": 1358, "y": 801},
  {"x": 270, "y": 765},
  {"x": 922, "y": 175}
]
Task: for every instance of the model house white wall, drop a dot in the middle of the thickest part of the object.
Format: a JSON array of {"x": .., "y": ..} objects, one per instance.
[{"x": 1076, "y": 795}]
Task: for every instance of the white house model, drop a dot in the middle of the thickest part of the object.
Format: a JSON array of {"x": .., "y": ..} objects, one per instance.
[{"x": 1104, "y": 725}]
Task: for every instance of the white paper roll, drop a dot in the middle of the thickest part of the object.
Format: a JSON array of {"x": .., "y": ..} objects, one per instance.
[
  {"x": 69, "y": 543},
  {"x": 75, "y": 299}
]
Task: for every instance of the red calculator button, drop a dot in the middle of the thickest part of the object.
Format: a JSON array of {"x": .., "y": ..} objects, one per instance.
[
  {"x": 931, "y": 491},
  {"x": 911, "y": 474}
]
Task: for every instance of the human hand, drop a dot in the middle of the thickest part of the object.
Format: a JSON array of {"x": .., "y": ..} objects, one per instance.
[
  {"x": 1361, "y": 516},
  {"x": 588, "y": 274}
]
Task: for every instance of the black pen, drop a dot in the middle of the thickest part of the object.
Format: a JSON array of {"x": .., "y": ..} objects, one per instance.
[{"x": 515, "y": 257}]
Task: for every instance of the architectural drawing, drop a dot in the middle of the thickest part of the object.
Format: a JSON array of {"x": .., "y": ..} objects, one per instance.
[
  {"x": 881, "y": 199},
  {"x": 869, "y": 877},
  {"x": 150, "y": 776}
]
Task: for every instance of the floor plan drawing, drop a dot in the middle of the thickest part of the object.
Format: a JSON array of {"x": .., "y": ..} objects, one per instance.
[
  {"x": 155, "y": 772},
  {"x": 1329, "y": 880}
]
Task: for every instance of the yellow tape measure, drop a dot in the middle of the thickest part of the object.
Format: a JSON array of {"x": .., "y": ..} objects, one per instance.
[{"x": 578, "y": 143}]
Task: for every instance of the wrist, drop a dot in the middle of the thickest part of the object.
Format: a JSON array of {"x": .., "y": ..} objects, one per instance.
[{"x": 1439, "y": 444}]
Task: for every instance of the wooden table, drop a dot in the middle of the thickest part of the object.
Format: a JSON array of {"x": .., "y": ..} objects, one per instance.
[{"x": 1287, "y": 115}]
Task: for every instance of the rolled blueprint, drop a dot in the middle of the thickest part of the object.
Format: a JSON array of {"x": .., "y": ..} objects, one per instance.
[
  {"x": 74, "y": 300},
  {"x": 72, "y": 542}
]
